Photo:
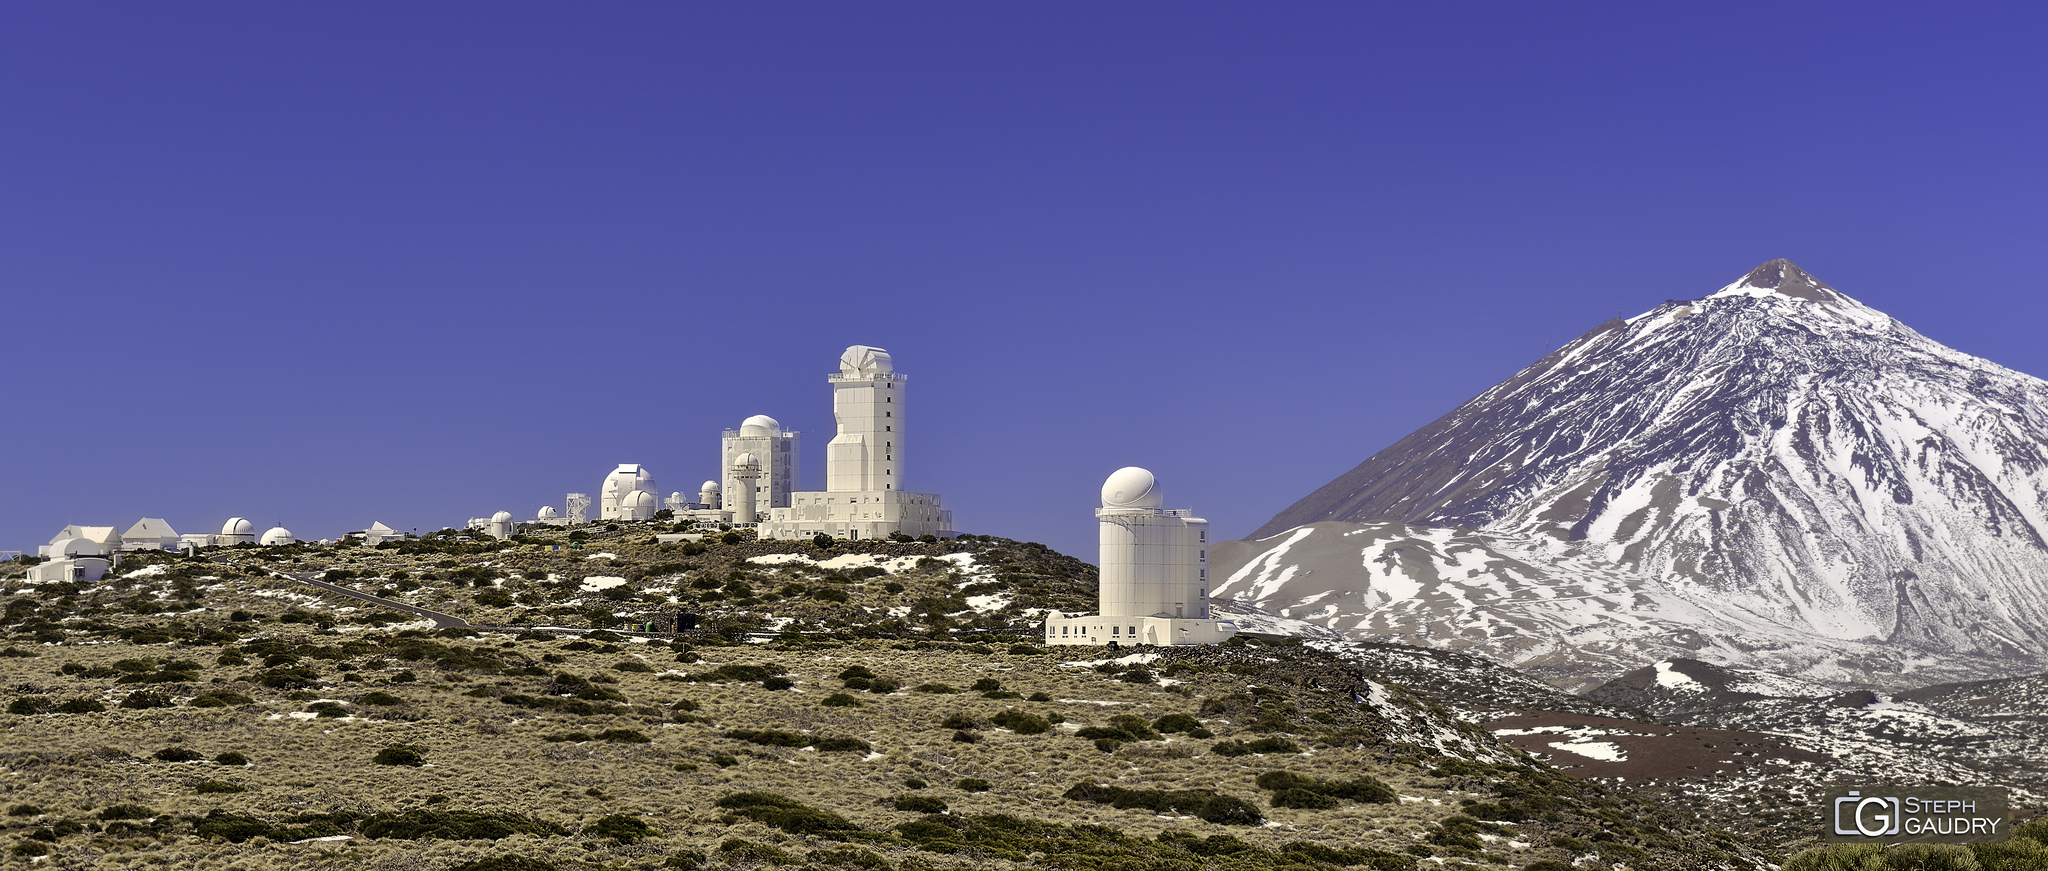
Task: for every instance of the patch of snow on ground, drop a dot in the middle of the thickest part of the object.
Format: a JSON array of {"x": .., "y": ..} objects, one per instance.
[
  {"x": 605, "y": 555},
  {"x": 1605, "y": 751},
  {"x": 1133, "y": 659},
  {"x": 148, "y": 571},
  {"x": 989, "y": 603},
  {"x": 780, "y": 559},
  {"x": 1673, "y": 679},
  {"x": 601, "y": 583}
]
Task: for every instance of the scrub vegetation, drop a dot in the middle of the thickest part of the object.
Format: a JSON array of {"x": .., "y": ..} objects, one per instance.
[{"x": 863, "y": 705}]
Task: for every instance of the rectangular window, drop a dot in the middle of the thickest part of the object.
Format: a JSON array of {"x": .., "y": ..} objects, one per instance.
[
  {"x": 1113, "y": 630},
  {"x": 1134, "y": 630},
  {"x": 888, "y": 414}
]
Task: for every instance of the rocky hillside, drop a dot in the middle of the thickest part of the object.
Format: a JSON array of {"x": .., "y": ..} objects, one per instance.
[
  {"x": 1803, "y": 467},
  {"x": 876, "y": 706}
]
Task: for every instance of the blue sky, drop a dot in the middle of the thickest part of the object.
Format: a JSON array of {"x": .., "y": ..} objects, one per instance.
[{"x": 329, "y": 264}]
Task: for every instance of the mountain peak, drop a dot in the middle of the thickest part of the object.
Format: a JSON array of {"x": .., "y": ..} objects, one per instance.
[{"x": 1783, "y": 277}]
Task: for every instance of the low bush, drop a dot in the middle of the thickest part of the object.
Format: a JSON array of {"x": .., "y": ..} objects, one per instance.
[
  {"x": 787, "y": 814},
  {"x": 840, "y": 700},
  {"x": 232, "y": 757},
  {"x": 973, "y": 784},
  {"x": 401, "y": 754},
  {"x": 937, "y": 688},
  {"x": 506, "y": 863},
  {"x": 179, "y": 754},
  {"x": 1202, "y": 804},
  {"x": 421, "y": 824},
  {"x": 1021, "y": 723},
  {"x": 1263, "y": 745},
  {"x": 622, "y": 828},
  {"x": 126, "y": 812},
  {"x": 223, "y": 787}
]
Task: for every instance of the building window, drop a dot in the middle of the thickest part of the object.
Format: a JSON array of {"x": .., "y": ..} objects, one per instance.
[
  {"x": 1113, "y": 629},
  {"x": 888, "y": 414},
  {"x": 887, "y": 428}
]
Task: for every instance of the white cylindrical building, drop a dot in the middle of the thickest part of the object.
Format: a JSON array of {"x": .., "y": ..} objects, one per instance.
[
  {"x": 501, "y": 526},
  {"x": 1154, "y": 582},
  {"x": 708, "y": 494},
  {"x": 746, "y": 470}
]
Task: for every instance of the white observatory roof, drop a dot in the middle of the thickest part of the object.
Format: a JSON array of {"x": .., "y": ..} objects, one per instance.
[
  {"x": 760, "y": 425},
  {"x": 709, "y": 487},
  {"x": 746, "y": 459},
  {"x": 637, "y": 499},
  {"x": 548, "y": 512},
  {"x": 1131, "y": 487},
  {"x": 502, "y": 517},
  {"x": 277, "y": 535},
  {"x": 863, "y": 360},
  {"x": 66, "y": 547},
  {"x": 238, "y": 526}
]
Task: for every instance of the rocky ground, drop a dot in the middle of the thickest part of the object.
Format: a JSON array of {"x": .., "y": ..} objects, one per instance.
[{"x": 873, "y": 706}]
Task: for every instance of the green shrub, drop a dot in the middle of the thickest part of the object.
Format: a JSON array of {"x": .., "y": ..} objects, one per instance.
[
  {"x": 232, "y": 757},
  {"x": 381, "y": 699},
  {"x": 31, "y": 705},
  {"x": 843, "y": 745},
  {"x": 624, "y": 736},
  {"x": 770, "y": 737},
  {"x": 787, "y": 814},
  {"x": 401, "y": 754},
  {"x": 218, "y": 786},
  {"x": 840, "y": 700},
  {"x": 1263, "y": 745},
  {"x": 1303, "y": 798},
  {"x": 179, "y": 754},
  {"x": 81, "y": 705},
  {"x": 633, "y": 665},
  {"x": 973, "y": 784},
  {"x": 622, "y": 828},
  {"x": 2018, "y": 853},
  {"x": 938, "y": 688},
  {"x": 1202, "y": 804},
  {"x": 146, "y": 699},
  {"x": 420, "y": 824},
  {"x": 220, "y": 699},
  {"x": 921, "y": 804},
  {"x": 1021, "y": 722},
  {"x": 1172, "y": 723}
]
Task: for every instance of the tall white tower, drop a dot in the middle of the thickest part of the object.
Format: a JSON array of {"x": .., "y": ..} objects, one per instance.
[
  {"x": 745, "y": 471},
  {"x": 863, "y": 495},
  {"x": 867, "y": 403},
  {"x": 1154, "y": 572}
]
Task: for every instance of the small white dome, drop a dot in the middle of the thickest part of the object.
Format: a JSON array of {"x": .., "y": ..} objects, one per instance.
[
  {"x": 502, "y": 517},
  {"x": 277, "y": 535},
  {"x": 759, "y": 425},
  {"x": 865, "y": 360},
  {"x": 238, "y": 526},
  {"x": 637, "y": 499},
  {"x": 548, "y": 512},
  {"x": 746, "y": 459},
  {"x": 709, "y": 487},
  {"x": 1131, "y": 487}
]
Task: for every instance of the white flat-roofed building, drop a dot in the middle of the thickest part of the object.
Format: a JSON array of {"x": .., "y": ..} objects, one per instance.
[
  {"x": 72, "y": 560},
  {"x": 863, "y": 495},
  {"x": 1154, "y": 586}
]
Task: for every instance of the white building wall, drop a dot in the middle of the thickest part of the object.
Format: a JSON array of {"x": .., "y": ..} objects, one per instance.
[
  {"x": 1154, "y": 576},
  {"x": 868, "y": 406},
  {"x": 778, "y": 454}
]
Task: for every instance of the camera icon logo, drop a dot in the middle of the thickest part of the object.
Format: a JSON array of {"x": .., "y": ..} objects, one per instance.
[{"x": 1869, "y": 816}]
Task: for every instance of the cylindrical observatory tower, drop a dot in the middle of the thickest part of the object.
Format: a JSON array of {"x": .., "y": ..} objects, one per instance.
[
  {"x": 1154, "y": 560},
  {"x": 1154, "y": 573}
]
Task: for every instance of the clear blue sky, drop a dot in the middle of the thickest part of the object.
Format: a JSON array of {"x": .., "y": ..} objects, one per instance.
[{"x": 332, "y": 263}]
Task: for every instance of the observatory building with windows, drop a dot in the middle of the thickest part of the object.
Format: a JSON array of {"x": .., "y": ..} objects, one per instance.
[
  {"x": 628, "y": 493},
  {"x": 1154, "y": 583},
  {"x": 775, "y": 462},
  {"x": 863, "y": 495}
]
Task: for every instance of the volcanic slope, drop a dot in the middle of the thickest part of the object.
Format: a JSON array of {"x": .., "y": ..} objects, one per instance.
[{"x": 1799, "y": 465}]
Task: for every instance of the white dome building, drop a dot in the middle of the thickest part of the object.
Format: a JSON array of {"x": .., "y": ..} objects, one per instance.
[
  {"x": 238, "y": 530},
  {"x": 278, "y": 535},
  {"x": 1155, "y": 573},
  {"x": 547, "y": 513},
  {"x": 500, "y": 526},
  {"x": 618, "y": 490},
  {"x": 775, "y": 452}
]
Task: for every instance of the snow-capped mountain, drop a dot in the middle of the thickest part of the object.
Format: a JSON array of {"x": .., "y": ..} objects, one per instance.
[{"x": 1774, "y": 473}]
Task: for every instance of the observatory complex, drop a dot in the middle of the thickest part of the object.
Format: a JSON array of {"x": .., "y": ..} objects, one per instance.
[
  {"x": 863, "y": 463},
  {"x": 1155, "y": 573}
]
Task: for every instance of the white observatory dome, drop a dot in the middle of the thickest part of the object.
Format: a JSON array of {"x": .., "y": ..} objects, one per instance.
[
  {"x": 548, "y": 512},
  {"x": 277, "y": 535},
  {"x": 1131, "y": 487},
  {"x": 502, "y": 517},
  {"x": 759, "y": 425},
  {"x": 745, "y": 459},
  {"x": 709, "y": 487},
  {"x": 635, "y": 500},
  {"x": 864, "y": 360},
  {"x": 238, "y": 526}
]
